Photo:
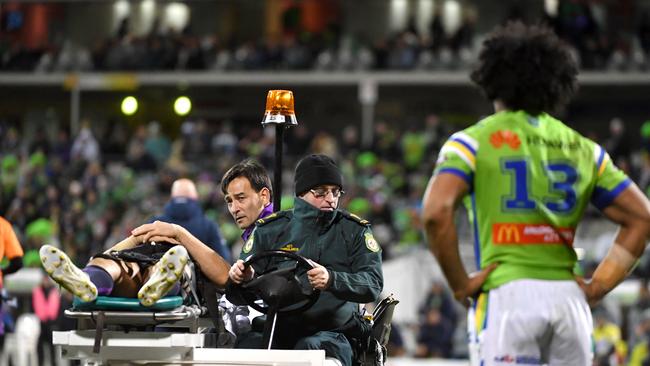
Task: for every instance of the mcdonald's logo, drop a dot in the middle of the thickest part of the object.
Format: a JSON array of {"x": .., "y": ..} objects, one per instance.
[
  {"x": 506, "y": 233},
  {"x": 514, "y": 233}
]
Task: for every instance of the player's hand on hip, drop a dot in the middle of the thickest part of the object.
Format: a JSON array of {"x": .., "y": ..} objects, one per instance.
[
  {"x": 239, "y": 273},
  {"x": 593, "y": 292},
  {"x": 474, "y": 284},
  {"x": 319, "y": 276}
]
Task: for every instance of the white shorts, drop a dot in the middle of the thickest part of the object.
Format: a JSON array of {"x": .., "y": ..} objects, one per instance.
[{"x": 531, "y": 322}]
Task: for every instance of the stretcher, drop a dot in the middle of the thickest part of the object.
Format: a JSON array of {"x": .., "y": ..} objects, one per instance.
[{"x": 120, "y": 331}]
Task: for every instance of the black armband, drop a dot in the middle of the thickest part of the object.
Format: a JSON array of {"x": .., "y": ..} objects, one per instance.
[{"x": 15, "y": 264}]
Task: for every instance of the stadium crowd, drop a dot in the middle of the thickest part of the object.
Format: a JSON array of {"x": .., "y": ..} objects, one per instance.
[
  {"x": 85, "y": 191},
  {"x": 602, "y": 39}
]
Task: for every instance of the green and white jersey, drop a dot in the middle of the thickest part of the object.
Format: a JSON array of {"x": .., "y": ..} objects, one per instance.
[{"x": 530, "y": 181}]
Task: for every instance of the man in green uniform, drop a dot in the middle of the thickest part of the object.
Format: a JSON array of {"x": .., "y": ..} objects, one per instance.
[
  {"x": 526, "y": 180},
  {"x": 340, "y": 246}
]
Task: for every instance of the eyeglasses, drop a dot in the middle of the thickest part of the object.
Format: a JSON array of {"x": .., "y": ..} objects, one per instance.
[{"x": 323, "y": 192}]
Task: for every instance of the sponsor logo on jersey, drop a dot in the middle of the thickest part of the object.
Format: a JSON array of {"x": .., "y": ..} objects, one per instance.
[
  {"x": 507, "y": 234},
  {"x": 505, "y": 137},
  {"x": 504, "y": 359},
  {"x": 552, "y": 143},
  {"x": 518, "y": 360},
  {"x": 514, "y": 233}
]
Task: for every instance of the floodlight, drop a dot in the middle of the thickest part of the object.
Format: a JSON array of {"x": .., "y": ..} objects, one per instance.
[
  {"x": 182, "y": 106},
  {"x": 129, "y": 105}
]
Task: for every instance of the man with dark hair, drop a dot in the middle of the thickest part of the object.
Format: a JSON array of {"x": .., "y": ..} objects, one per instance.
[
  {"x": 526, "y": 179},
  {"x": 248, "y": 193},
  {"x": 184, "y": 209},
  {"x": 340, "y": 246}
]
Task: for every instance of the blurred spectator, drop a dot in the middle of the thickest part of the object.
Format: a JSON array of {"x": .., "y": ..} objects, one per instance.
[
  {"x": 225, "y": 141},
  {"x": 324, "y": 143},
  {"x": 350, "y": 142},
  {"x": 39, "y": 142},
  {"x": 298, "y": 140},
  {"x": 439, "y": 321},
  {"x": 636, "y": 310},
  {"x": 85, "y": 147},
  {"x": 61, "y": 148},
  {"x": 46, "y": 304},
  {"x": 404, "y": 54},
  {"x": 385, "y": 141},
  {"x": 644, "y": 33},
  {"x": 183, "y": 209},
  {"x": 37, "y": 233},
  {"x": 9, "y": 177},
  {"x": 11, "y": 255},
  {"x": 640, "y": 355},
  {"x": 609, "y": 347},
  {"x": 10, "y": 143},
  {"x": 434, "y": 336},
  {"x": 413, "y": 145},
  {"x": 616, "y": 145},
  {"x": 437, "y": 31},
  {"x": 137, "y": 156},
  {"x": 157, "y": 144},
  {"x": 463, "y": 38},
  {"x": 395, "y": 346}
]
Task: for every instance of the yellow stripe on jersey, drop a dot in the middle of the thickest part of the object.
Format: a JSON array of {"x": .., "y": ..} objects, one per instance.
[
  {"x": 601, "y": 158},
  {"x": 603, "y": 164},
  {"x": 481, "y": 312},
  {"x": 460, "y": 150}
]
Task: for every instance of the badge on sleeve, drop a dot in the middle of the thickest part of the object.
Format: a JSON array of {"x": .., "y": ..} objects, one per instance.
[
  {"x": 249, "y": 243},
  {"x": 371, "y": 243}
]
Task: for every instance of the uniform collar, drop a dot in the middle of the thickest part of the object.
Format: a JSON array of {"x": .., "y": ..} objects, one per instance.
[
  {"x": 265, "y": 212},
  {"x": 311, "y": 215}
]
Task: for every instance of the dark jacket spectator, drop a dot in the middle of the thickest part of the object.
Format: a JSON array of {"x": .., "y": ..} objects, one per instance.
[{"x": 184, "y": 209}]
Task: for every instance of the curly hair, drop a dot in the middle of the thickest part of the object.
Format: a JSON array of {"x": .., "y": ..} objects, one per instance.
[{"x": 527, "y": 68}]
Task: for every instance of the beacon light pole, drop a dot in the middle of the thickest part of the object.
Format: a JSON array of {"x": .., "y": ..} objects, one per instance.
[{"x": 279, "y": 112}]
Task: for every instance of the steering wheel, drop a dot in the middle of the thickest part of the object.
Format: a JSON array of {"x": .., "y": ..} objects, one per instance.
[{"x": 280, "y": 288}]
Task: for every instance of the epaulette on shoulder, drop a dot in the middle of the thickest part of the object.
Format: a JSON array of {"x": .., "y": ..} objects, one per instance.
[
  {"x": 270, "y": 218},
  {"x": 355, "y": 218}
]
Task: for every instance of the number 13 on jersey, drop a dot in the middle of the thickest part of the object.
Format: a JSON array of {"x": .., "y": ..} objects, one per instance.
[{"x": 561, "y": 176}]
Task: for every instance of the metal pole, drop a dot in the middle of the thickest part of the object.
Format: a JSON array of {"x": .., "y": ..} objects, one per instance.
[
  {"x": 367, "y": 124},
  {"x": 75, "y": 106},
  {"x": 277, "y": 171},
  {"x": 368, "y": 99}
]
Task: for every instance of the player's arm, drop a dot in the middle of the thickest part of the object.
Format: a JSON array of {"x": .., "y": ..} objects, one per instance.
[
  {"x": 631, "y": 210},
  {"x": 211, "y": 263},
  {"x": 441, "y": 198},
  {"x": 12, "y": 249},
  {"x": 128, "y": 243}
]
